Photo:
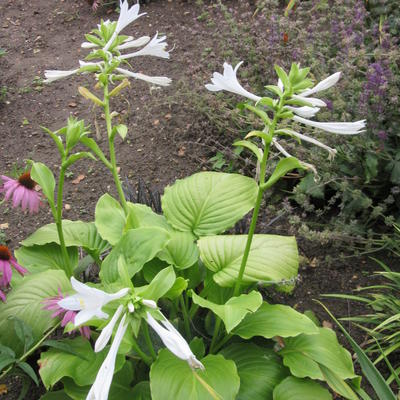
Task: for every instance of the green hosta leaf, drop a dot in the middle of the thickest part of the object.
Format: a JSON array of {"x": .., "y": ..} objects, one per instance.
[
  {"x": 181, "y": 251},
  {"x": 282, "y": 168},
  {"x": 55, "y": 364},
  {"x": 43, "y": 176},
  {"x": 207, "y": 203},
  {"x": 234, "y": 310},
  {"x": 177, "y": 288},
  {"x": 160, "y": 285},
  {"x": 122, "y": 130},
  {"x": 109, "y": 219},
  {"x": 120, "y": 387},
  {"x": 137, "y": 246},
  {"x": 272, "y": 320},
  {"x": 48, "y": 256},
  {"x": 338, "y": 384},
  {"x": 172, "y": 375},
  {"x": 305, "y": 354},
  {"x": 26, "y": 303},
  {"x": 259, "y": 369},
  {"x": 272, "y": 258},
  {"x": 76, "y": 233},
  {"x": 58, "y": 395},
  {"x": 29, "y": 371},
  {"x": 141, "y": 391},
  {"x": 260, "y": 113},
  {"x": 252, "y": 147},
  {"x": 293, "y": 388}
]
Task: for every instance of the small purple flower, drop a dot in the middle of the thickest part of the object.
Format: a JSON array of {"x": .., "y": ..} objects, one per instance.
[
  {"x": 382, "y": 135},
  {"x": 67, "y": 316},
  {"x": 6, "y": 262}
]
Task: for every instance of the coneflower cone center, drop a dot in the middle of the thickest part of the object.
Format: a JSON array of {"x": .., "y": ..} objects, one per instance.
[
  {"x": 5, "y": 253},
  {"x": 26, "y": 180}
]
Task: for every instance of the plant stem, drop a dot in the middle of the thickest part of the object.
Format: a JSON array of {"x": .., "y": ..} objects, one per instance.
[
  {"x": 31, "y": 350},
  {"x": 147, "y": 359},
  {"x": 148, "y": 341},
  {"x": 112, "y": 150},
  {"x": 216, "y": 333},
  {"x": 222, "y": 342},
  {"x": 186, "y": 321},
  {"x": 263, "y": 166},
  {"x": 58, "y": 218}
]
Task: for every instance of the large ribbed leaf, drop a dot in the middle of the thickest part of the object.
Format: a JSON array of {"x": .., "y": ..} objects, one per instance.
[
  {"x": 48, "y": 256},
  {"x": 26, "y": 303},
  {"x": 272, "y": 258},
  {"x": 172, "y": 379},
  {"x": 259, "y": 369},
  {"x": 272, "y": 320},
  {"x": 109, "y": 219},
  {"x": 207, "y": 203},
  {"x": 234, "y": 310},
  {"x": 293, "y": 388},
  {"x": 76, "y": 233},
  {"x": 181, "y": 251},
  {"x": 56, "y": 364},
  {"x": 137, "y": 246},
  {"x": 304, "y": 354}
]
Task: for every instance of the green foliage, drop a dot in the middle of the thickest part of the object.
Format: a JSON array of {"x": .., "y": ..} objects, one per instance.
[
  {"x": 272, "y": 258},
  {"x": 259, "y": 369},
  {"x": 25, "y": 302},
  {"x": 207, "y": 203},
  {"x": 219, "y": 380},
  {"x": 293, "y": 388}
]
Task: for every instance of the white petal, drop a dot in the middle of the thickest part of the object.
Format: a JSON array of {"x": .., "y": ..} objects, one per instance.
[
  {"x": 102, "y": 383},
  {"x": 280, "y": 85},
  {"x": 229, "y": 82},
  {"x": 343, "y": 128},
  {"x": 149, "y": 303},
  {"x": 306, "y": 112},
  {"x": 53, "y": 75},
  {"x": 131, "y": 307},
  {"x": 73, "y": 303},
  {"x": 134, "y": 43},
  {"x": 174, "y": 341},
  {"x": 312, "y": 100},
  {"x": 323, "y": 85},
  {"x": 308, "y": 139},
  {"x": 84, "y": 316},
  {"x": 88, "y": 45},
  {"x": 156, "y": 47},
  {"x": 107, "y": 331},
  {"x": 157, "y": 80}
]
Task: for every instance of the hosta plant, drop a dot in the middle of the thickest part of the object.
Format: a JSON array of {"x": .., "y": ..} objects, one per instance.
[{"x": 176, "y": 311}]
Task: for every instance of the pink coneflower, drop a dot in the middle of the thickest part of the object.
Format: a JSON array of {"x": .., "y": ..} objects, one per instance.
[
  {"x": 6, "y": 261},
  {"x": 66, "y": 315},
  {"x": 22, "y": 191}
]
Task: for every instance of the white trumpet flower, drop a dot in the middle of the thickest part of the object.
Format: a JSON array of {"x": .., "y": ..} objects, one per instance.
[
  {"x": 229, "y": 82},
  {"x": 312, "y": 100},
  {"x": 134, "y": 43},
  {"x": 341, "y": 128},
  {"x": 88, "y": 45},
  {"x": 126, "y": 16},
  {"x": 174, "y": 341},
  {"x": 323, "y": 85},
  {"x": 102, "y": 383},
  {"x": 280, "y": 85},
  {"x": 156, "y": 80},
  {"x": 107, "y": 331},
  {"x": 156, "y": 47},
  {"x": 149, "y": 303},
  {"x": 53, "y": 75},
  {"x": 88, "y": 301},
  {"x": 332, "y": 152},
  {"x": 306, "y": 112}
]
